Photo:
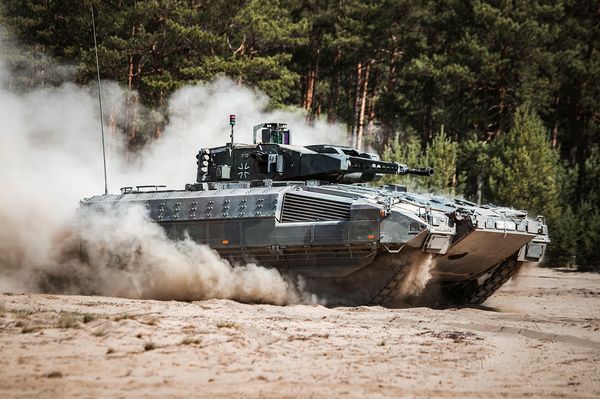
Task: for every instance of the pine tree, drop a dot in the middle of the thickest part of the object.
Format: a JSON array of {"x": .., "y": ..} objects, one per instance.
[
  {"x": 440, "y": 154},
  {"x": 525, "y": 172},
  {"x": 405, "y": 149},
  {"x": 588, "y": 237},
  {"x": 523, "y": 168}
]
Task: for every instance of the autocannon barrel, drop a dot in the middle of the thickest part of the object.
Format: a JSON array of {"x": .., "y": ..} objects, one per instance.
[{"x": 416, "y": 171}]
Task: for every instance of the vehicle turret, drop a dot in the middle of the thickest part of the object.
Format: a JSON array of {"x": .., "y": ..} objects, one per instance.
[{"x": 273, "y": 157}]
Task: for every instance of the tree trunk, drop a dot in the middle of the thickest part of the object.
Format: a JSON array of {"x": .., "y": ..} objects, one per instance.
[
  {"x": 311, "y": 77},
  {"x": 309, "y": 95},
  {"x": 386, "y": 127},
  {"x": 334, "y": 90},
  {"x": 317, "y": 107},
  {"x": 501, "y": 108},
  {"x": 134, "y": 118},
  {"x": 112, "y": 129},
  {"x": 391, "y": 82},
  {"x": 363, "y": 106},
  {"x": 131, "y": 102},
  {"x": 371, "y": 97},
  {"x": 130, "y": 73},
  {"x": 359, "y": 71},
  {"x": 428, "y": 114},
  {"x": 555, "y": 127},
  {"x": 133, "y": 106},
  {"x": 131, "y": 64}
]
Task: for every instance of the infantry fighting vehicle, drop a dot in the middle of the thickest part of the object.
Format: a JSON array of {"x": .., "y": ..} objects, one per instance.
[{"x": 312, "y": 211}]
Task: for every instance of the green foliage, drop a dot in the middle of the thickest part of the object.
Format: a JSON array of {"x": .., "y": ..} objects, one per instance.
[
  {"x": 524, "y": 169},
  {"x": 473, "y": 158},
  {"x": 588, "y": 236},
  {"x": 404, "y": 149},
  {"x": 565, "y": 227},
  {"x": 440, "y": 154},
  {"x": 525, "y": 172}
]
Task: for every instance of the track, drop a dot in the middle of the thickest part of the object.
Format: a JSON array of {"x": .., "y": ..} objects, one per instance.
[
  {"x": 472, "y": 292},
  {"x": 386, "y": 294},
  {"x": 491, "y": 283}
]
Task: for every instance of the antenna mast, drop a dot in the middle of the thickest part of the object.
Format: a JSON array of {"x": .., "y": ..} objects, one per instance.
[
  {"x": 232, "y": 123},
  {"x": 100, "y": 101}
]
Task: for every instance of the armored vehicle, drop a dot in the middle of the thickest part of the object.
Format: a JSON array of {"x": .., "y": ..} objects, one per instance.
[{"x": 313, "y": 211}]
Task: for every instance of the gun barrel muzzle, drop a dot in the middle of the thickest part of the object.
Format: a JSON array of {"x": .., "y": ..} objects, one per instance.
[{"x": 421, "y": 171}]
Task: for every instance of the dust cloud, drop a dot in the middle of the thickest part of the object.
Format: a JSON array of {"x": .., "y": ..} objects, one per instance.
[
  {"x": 416, "y": 276},
  {"x": 127, "y": 255},
  {"x": 414, "y": 286},
  {"x": 50, "y": 158}
]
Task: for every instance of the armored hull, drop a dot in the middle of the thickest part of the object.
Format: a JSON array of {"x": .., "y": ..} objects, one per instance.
[
  {"x": 337, "y": 231},
  {"x": 353, "y": 243}
]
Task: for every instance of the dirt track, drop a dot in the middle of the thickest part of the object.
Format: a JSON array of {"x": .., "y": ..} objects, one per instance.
[{"x": 539, "y": 336}]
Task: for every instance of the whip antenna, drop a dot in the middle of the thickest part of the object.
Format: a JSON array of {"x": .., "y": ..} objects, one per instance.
[
  {"x": 100, "y": 101},
  {"x": 232, "y": 123}
]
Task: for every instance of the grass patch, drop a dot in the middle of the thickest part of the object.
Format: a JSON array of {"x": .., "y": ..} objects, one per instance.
[
  {"x": 68, "y": 320},
  {"x": 228, "y": 324},
  {"x": 54, "y": 374},
  {"x": 140, "y": 318},
  {"x": 88, "y": 317},
  {"x": 148, "y": 346},
  {"x": 150, "y": 321},
  {"x": 101, "y": 332},
  {"x": 22, "y": 313},
  {"x": 28, "y": 329},
  {"x": 191, "y": 341},
  {"x": 123, "y": 316}
]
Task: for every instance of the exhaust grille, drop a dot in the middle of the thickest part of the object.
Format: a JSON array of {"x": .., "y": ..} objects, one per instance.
[{"x": 302, "y": 208}]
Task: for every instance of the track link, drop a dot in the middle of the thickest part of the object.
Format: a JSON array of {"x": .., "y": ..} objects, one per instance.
[
  {"x": 386, "y": 294},
  {"x": 498, "y": 277}
]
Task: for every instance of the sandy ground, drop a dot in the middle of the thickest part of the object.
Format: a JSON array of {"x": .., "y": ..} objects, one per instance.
[{"x": 539, "y": 336}]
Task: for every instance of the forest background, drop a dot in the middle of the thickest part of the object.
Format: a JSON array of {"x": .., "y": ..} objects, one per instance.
[{"x": 502, "y": 98}]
